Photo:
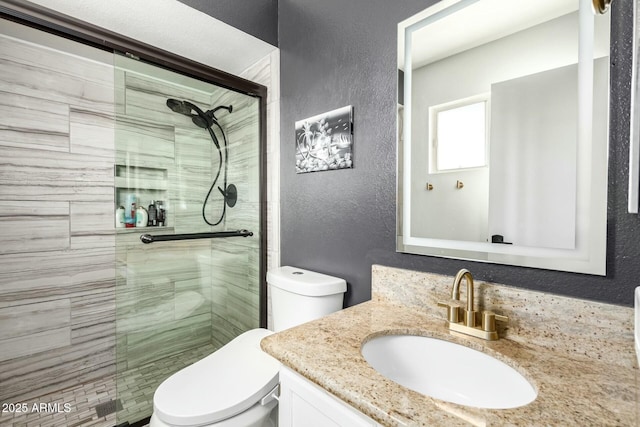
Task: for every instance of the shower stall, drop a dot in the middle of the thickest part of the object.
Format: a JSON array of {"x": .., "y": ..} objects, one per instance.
[
  {"x": 188, "y": 274},
  {"x": 143, "y": 246}
]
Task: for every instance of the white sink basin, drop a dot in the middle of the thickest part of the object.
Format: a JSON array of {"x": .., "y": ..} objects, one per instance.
[{"x": 448, "y": 371}]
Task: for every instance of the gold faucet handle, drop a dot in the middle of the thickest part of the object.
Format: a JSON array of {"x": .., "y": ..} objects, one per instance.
[
  {"x": 502, "y": 318},
  {"x": 453, "y": 309},
  {"x": 489, "y": 320}
]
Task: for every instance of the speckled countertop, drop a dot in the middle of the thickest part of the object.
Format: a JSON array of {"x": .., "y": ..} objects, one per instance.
[{"x": 579, "y": 382}]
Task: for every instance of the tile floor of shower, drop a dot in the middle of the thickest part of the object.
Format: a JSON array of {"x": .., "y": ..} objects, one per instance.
[{"x": 134, "y": 392}]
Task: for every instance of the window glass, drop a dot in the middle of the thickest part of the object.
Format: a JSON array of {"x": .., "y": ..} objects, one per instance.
[{"x": 460, "y": 137}]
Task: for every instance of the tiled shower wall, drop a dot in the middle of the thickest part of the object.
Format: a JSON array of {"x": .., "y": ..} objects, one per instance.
[
  {"x": 58, "y": 256},
  {"x": 267, "y": 73},
  {"x": 57, "y": 283},
  {"x": 177, "y": 299}
]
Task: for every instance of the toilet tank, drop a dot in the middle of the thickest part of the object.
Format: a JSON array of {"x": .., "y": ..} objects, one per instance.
[{"x": 299, "y": 296}]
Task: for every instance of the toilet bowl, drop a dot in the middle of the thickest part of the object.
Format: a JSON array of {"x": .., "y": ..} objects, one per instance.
[{"x": 236, "y": 385}]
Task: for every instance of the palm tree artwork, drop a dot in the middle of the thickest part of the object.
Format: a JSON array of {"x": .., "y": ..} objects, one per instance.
[{"x": 325, "y": 142}]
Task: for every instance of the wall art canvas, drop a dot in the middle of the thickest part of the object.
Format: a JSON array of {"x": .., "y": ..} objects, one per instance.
[{"x": 325, "y": 142}]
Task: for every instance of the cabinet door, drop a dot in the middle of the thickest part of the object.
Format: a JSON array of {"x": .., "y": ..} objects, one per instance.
[{"x": 304, "y": 404}]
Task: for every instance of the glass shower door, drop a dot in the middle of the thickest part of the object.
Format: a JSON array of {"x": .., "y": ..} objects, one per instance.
[{"x": 181, "y": 141}]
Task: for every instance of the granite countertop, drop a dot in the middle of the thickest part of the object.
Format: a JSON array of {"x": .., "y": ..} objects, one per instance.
[{"x": 572, "y": 390}]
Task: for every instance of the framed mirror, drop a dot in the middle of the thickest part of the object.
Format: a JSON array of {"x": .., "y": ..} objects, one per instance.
[
  {"x": 634, "y": 134},
  {"x": 503, "y": 133}
]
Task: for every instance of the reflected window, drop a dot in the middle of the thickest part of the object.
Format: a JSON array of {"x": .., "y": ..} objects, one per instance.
[{"x": 459, "y": 135}]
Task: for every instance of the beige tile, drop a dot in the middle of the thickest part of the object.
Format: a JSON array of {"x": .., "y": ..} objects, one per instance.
[
  {"x": 33, "y": 226},
  {"x": 37, "y": 276},
  {"x": 39, "y": 342},
  {"x": 168, "y": 339},
  {"x": 142, "y": 142},
  {"x": 92, "y": 133},
  {"x": 92, "y": 224},
  {"x": 28, "y": 175},
  {"x": 274, "y": 87},
  {"x": 30, "y": 376},
  {"x": 146, "y": 98},
  {"x": 31, "y": 70},
  {"x": 24, "y": 320},
  {"x": 260, "y": 72},
  {"x": 30, "y": 122}
]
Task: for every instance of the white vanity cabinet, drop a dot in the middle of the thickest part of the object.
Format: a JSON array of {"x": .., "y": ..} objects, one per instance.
[{"x": 304, "y": 404}]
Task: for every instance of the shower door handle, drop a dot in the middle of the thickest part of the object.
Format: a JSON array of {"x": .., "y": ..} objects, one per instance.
[{"x": 148, "y": 238}]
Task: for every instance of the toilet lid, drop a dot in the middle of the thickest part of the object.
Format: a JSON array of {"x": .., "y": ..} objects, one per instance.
[{"x": 219, "y": 386}]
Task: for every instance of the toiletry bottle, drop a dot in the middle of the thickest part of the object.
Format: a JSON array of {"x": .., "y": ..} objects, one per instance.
[
  {"x": 153, "y": 214},
  {"x": 160, "y": 214},
  {"x": 120, "y": 217},
  {"x": 130, "y": 211},
  {"x": 142, "y": 217},
  {"x": 131, "y": 218}
]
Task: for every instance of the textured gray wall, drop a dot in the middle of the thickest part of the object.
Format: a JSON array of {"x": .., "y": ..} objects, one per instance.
[
  {"x": 256, "y": 17},
  {"x": 336, "y": 53}
]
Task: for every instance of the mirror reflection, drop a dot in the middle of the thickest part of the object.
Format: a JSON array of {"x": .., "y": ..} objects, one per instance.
[{"x": 505, "y": 132}]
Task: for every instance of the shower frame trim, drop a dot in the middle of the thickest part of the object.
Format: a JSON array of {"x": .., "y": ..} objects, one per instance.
[{"x": 45, "y": 19}]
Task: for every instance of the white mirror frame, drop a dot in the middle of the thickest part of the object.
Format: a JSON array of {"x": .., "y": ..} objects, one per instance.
[
  {"x": 589, "y": 255},
  {"x": 634, "y": 132}
]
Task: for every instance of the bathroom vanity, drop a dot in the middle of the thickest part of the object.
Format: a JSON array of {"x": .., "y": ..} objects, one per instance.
[
  {"x": 578, "y": 355},
  {"x": 303, "y": 403}
]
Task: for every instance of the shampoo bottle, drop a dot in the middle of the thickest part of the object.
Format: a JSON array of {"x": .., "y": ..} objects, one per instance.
[
  {"x": 120, "y": 217},
  {"x": 161, "y": 213},
  {"x": 153, "y": 214},
  {"x": 142, "y": 217},
  {"x": 130, "y": 211}
]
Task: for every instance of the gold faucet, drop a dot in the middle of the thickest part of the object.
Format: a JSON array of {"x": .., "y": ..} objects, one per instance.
[{"x": 487, "y": 328}]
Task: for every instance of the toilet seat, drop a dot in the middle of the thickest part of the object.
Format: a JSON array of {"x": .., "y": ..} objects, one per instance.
[{"x": 221, "y": 385}]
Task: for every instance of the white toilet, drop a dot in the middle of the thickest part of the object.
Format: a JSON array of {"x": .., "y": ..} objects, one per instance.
[{"x": 235, "y": 386}]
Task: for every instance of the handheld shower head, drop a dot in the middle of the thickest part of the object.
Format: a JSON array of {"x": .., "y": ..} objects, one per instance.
[
  {"x": 206, "y": 120},
  {"x": 200, "y": 119}
]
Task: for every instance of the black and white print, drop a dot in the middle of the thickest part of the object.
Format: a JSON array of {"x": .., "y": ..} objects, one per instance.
[{"x": 325, "y": 142}]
